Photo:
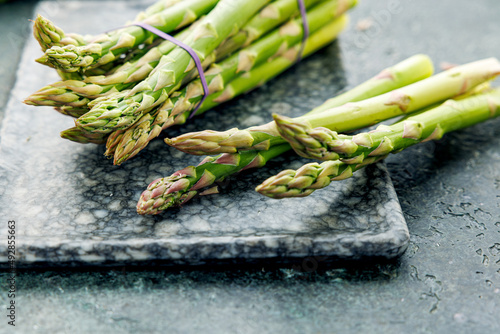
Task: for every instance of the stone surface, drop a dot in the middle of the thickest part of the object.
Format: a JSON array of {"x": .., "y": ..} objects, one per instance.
[
  {"x": 448, "y": 281},
  {"x": 73, "y": 206}
]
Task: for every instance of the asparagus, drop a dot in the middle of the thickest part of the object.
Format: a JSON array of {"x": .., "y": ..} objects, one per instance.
[
  {"x": 351, "y": 153},
  {"x": 273, "y": 14},
  {"x": 151, "y": 124},
  {"x": 183, "y": 185},
  {"x": 307, "y": 179},
  {"x": 262, "y": 137},
  {"x": 122, "y": 111},
  {"x": 77, "y": 135},
  {"x": 108, "y": 47},
  {"x": 227, "y": 164},
  {"x": 48, "y": 34},
  {"x": 155, "y": 8},
  {"x": 419, "y": 95},
  {"x": 80, "y": 92}
]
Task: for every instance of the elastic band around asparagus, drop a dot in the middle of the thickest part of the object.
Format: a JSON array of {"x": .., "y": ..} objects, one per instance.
[
  {"x": 367, "y": 148},
  {"x": 121, "y": 112},
  {"x": 264, "y": 136},
  {"x": 177, "y": 109},
  {"x": 78, "y": 93},
  {"x": 108, "y": 47}
]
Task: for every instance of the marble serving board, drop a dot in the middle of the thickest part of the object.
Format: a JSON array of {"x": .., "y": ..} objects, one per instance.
[{"x": 72, "y": 206}]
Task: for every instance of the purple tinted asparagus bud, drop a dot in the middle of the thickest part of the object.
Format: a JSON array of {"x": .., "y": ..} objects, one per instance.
[
  {"x": 164, "y": 193},
  {"x": 183, "y": 185},
  {"x": 309, "y": 178}
]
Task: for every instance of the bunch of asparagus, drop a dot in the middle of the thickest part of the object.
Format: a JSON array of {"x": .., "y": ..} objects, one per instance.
[
  {"x": 125, "y": 87},
  {"x": 432, "y": 106}
]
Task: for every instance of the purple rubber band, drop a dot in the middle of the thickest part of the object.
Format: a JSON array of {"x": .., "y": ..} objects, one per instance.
[
  {"x": 303, "y": 14},
  {"x": 191, "y": 52},
  {"x": 197, "y": 61}
]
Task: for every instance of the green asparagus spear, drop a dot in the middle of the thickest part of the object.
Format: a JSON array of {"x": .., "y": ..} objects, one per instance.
[
  {"x": 351, "y": 153},
  {"x": 264, "y": 136},
  {"x": 183, "y": 185},
  {"x": 77, "y": 135},
  {"x": 71, "y": 58},
  {"x": 48, "y": 34},
  {"x": 419, "y": 95},
  {"x": 150, "y": 125}
]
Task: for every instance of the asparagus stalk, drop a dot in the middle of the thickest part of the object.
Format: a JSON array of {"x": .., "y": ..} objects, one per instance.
[
  {"x": 48, "y": 34},
  {"x": 324, "y": 144},
  {"x": 226, "y": 164},
  {"x": 419, "y": 95},
  {"x": 156, "y": 8},
  {"x": 121, "y": 112},
  {"x": 273, "y": 14},
  {"x": 183, "y": 185},
  {"x": 108, "y": 47},
  {"x": 151, "y": 124},
  {"x": 78, "y": 93},
  {"x": 77, "y": 135},
  {"x": 262, "y": 137},
  {"x": 351, "y": 153}
]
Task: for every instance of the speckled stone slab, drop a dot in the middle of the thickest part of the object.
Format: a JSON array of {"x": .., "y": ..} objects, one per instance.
[{"x": 72, "y": 206}]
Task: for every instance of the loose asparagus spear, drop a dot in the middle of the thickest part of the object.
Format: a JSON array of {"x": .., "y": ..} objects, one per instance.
[
  {"x": 219, "y": 75},
  {"x": 71, "y": 58},
  {"x": 264, "y": 136},
  {"x": 183, "y": 185},
  {"x": 233, "y": 162},
  {"x": 405, "y": 100},
  {"x": 121, "y": 112},
  {"x": 349, "y": 116},
  {"x": 366, "y": 148}
]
